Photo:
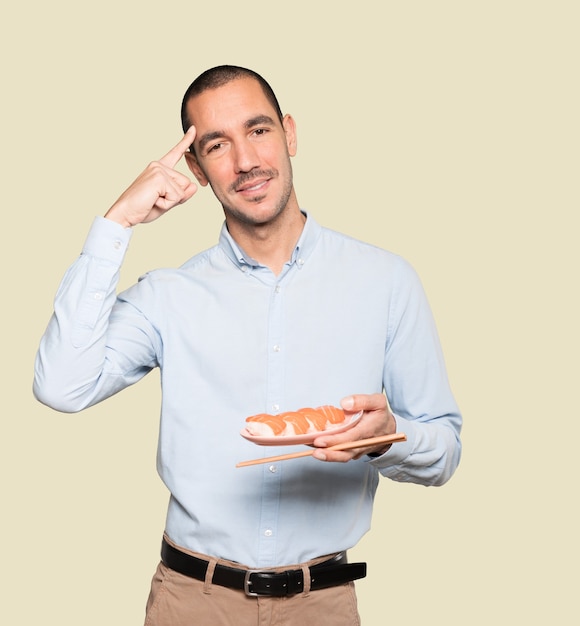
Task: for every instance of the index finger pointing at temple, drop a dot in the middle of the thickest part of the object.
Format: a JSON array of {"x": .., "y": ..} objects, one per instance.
[{"x": 171, "y": 159}]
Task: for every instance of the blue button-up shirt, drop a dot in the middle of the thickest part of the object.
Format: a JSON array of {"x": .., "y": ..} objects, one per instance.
[{"x": 232, "y": 339}]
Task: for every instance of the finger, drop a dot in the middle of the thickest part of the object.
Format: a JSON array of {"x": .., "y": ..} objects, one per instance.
[
  {"x": 177, "y": 178},
  {"x": 171, "y": 159},
  {"x": 327, "y": 441},
  {"x": 340, "y": 456},
  {"x": 175, "y": 192},
  {"x": 364, "y": 402},
  {"x": 333, "y": 456}
]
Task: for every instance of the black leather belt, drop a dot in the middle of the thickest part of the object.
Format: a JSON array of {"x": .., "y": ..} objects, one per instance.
[{"x": 335, "y": 571}]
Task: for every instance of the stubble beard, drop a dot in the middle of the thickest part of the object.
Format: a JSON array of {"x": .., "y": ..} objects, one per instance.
[{"x": 250, "y": 219}]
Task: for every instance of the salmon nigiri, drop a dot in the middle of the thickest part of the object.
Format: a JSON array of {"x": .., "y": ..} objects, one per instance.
[
  {"x": 265, "y": 425},
  {"x": 296, "y": 421},
  {"x": 332, "y": 414},
  {"x": 316, "y": 418}
]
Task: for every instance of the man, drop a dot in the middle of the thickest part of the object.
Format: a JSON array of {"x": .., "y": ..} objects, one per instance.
[{"x": 280, "y": 314}]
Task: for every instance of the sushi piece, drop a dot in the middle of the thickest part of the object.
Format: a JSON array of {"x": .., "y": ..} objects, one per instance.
[
  {"x": 333, "y": 415},
  {"x": 297, "y": 424},
  {"x": 265, "y": 425},
  {"x": 316, "y": 418}
]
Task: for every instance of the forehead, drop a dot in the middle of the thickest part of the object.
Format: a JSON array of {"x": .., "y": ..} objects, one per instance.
[{"x": 229, "y": 105}]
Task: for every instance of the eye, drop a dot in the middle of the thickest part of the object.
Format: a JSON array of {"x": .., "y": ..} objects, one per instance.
[
  {"x": 214, "y": 148},
  {"x": 260, "y": 131}
]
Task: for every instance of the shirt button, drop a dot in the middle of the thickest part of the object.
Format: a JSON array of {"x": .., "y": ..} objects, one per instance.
[
  {"x": 98, "y": 296},
  {"x": 300, "y": 262},
  {"x": 268, "y": 533},
  {"x": 278, "y": 289},
  {"x": 273, "y": 469},
  {"x": 275, "y": 407},
  {"x": 116, "y": 244},
  {"x": 276, "y": 348}
]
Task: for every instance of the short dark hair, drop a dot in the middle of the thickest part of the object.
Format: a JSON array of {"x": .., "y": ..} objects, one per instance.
[{"x": 219, "y": 76}]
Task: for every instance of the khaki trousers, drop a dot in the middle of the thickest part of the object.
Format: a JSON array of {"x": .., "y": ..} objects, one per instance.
[{"x": 178, "y": 600}]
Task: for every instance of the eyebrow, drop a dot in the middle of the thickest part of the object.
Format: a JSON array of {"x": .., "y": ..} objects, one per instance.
[
  {"x": 218, "y": 134},
  {"x": 205, "y": 139},
  {"x": 259, "y": 120}
]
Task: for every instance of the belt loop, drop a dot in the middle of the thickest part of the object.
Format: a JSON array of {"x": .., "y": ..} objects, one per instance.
[
  {"x": 306, "y": 581},
  {"x": 209, "y": 576}
]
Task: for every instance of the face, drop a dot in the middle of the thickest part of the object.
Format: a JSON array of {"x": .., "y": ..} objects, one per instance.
[{"x": 243, "y": 151}]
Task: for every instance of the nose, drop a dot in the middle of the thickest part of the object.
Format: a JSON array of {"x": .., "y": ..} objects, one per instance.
[{"x": 245, "y": 157}]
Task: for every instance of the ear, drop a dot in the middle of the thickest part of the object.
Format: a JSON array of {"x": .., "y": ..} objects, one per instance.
[
  {"x": 289, "y": 126},
  {"x": 195, "y": 168}
]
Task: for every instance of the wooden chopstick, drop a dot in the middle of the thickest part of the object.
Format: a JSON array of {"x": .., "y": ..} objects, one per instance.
[{"x": 348, "y": 445}]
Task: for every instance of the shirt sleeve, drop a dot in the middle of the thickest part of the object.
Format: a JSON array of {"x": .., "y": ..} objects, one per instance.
[
  {"x": 419, "y": 394},
  {"x": 83, "y": 356}
]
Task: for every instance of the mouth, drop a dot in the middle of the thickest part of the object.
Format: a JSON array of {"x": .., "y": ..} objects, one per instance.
[
  {"x": 253, "y": 187},
  {"x": 253, "y": 183}
]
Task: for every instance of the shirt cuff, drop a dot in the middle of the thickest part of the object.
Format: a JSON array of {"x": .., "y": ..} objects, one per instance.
[
  {"x": 400, "y": 450},
  {"x": 107, "y": 240}
]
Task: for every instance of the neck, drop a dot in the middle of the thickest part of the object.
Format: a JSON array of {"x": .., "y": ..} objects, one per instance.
[{"x": 270, "y": 243}]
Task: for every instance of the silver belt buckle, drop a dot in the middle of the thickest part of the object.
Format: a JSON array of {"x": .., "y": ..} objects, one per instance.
[{"x": 248, "y": 582}]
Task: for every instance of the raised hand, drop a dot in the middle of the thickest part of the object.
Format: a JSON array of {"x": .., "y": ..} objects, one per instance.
[{"x": 156, "y": 190}]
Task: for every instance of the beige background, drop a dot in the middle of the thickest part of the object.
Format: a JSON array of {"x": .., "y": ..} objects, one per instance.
[{"x": 445, "y": 131}]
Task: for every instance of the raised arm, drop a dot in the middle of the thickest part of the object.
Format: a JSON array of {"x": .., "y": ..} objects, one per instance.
[{"x": 94, "y": 345}]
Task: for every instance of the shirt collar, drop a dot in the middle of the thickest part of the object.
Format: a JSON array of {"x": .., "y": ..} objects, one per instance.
[{"x": 302, "y": 251}]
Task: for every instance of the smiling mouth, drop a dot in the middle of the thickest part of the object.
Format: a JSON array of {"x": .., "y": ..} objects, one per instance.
[
  {"x": 252, "y": 188},
  {"x": 251, "y": 182}
]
